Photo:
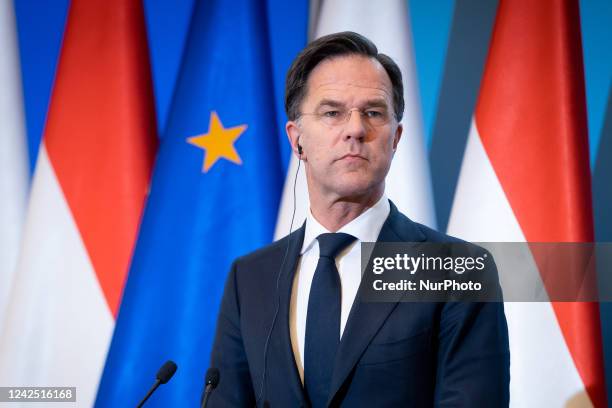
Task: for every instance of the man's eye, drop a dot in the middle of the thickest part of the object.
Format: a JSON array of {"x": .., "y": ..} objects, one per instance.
[
  {"x": 373, "y": 114},
  {"x": 331, "y": 114}
]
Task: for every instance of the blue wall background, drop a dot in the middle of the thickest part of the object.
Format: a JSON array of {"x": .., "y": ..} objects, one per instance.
[{"x": 451, "y": 39}]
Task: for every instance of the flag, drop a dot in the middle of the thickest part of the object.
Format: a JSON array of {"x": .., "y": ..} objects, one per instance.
[
  {"x": 214, "y": 197},
  {"x": 88, "y": 191},
  {"x": 408, "y": 183},
  {"x": 525, "y": 177},
  {"x": 14, "y": 172}
]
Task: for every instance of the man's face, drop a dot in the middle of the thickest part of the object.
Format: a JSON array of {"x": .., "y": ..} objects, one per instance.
[{"x": 352, "y": 158}]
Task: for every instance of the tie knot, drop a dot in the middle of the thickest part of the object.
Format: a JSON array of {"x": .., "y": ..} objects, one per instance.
[{"x": 331, "y": 244}]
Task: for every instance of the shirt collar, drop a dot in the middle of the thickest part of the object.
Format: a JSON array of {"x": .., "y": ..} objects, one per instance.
[{"x": 365, "y": 228}]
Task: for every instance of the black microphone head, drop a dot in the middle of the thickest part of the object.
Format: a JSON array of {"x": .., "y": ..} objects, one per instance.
[
  {"x": 166, "y": 371},
  {"x": 212, "y": 377}
]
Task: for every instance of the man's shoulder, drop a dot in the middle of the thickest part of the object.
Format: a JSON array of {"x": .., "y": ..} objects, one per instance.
[
  {"x": 404, "y": 226},
  {"x": 457, "y": 244},
  {"x": 428, "y": 234},
  {"x": 257, "y": 269},
  {"x": 432, "y": 235},
  {"x": 273, "y": 250}
]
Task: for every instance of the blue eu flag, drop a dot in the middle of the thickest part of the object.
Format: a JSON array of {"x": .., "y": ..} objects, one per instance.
[{"x": 214, "y": 196}]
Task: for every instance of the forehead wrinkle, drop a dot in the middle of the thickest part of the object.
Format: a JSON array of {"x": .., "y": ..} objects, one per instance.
[
  {"x": 337, "y": 95},
  {"x": 368, "y": 102},
  {"x": 336, "y": 86}
]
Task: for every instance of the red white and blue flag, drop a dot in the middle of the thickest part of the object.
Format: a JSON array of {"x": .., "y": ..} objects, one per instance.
[
  {"x": 525, "y": 178},
  {"x": 88, "y": 193}
]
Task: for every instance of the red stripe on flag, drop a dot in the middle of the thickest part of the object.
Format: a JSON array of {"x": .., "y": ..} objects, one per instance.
[
  {"x": 100, "y": 132},
  {"x": 531, "y": 116}
]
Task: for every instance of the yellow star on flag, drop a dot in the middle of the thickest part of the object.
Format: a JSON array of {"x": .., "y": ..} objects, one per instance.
[{"x": 218, "y": 142}]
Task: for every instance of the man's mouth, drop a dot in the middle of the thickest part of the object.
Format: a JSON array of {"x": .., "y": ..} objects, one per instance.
[{"x": 352, "y": 157}]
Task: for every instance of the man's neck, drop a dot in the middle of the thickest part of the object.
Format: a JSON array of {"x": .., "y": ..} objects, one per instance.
[{"x": 335, "y": 213}]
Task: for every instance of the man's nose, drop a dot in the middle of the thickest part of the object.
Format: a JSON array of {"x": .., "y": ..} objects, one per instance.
[{"x": 356, "y": 126}]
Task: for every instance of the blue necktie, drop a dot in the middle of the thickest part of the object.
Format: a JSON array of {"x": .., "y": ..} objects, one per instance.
[{"x": 323, "y": 319}]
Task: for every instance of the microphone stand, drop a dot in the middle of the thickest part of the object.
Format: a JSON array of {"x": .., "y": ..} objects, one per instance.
[{"x": 151, "y": 391}]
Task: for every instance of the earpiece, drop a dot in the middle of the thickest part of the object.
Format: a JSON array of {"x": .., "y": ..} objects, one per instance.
[{"x": 299, "y": 149}]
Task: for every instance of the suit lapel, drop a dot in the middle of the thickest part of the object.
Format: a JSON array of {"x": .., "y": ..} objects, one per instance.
[
  {"x": 366, "y": 318},
  {"x": 283, "y": 346}
]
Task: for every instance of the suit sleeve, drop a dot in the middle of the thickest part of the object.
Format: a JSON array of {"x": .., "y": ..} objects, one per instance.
[
  {"x": 473, "y": 354},
  {"x": 235, "y": 388}
]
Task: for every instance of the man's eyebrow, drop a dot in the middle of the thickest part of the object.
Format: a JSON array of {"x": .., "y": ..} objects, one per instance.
[
  {"x": 376, "y": 103},
  {"x": 372, "y": 103},
  {"x": 330, "y": 102}
]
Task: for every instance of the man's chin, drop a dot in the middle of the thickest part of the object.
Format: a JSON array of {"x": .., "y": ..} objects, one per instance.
[{"x": 356, "y": 190}]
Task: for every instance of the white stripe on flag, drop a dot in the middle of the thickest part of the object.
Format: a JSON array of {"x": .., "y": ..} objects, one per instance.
[
  {"x": 542, "y": 372},
  {"x": 58, "y": 324},
  {"x": 13, "y": 154}
]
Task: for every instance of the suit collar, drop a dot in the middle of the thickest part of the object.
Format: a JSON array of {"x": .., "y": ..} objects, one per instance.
[
  {"x": 366, "y": 318},
  {"x": 399, "y": 228}
]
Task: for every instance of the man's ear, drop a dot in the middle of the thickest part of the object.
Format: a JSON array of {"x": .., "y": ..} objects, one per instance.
[
  {"x": 293, "y": 134},
  {"x": 397, "y": 136}
]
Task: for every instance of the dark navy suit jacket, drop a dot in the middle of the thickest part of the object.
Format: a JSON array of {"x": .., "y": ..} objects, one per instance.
[{"x": 391, "y": 354}]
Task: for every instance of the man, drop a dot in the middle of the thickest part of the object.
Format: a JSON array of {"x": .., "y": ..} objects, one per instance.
[{"x": 293, "y": 329}]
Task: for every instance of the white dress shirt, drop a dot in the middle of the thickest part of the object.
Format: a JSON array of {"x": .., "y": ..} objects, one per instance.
[{"x": 365, "y": 228}]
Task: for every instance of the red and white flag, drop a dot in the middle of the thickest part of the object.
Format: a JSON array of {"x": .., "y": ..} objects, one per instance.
[
  {"x": 526, "y": 177},
  {"x": 88, "y": 192}
]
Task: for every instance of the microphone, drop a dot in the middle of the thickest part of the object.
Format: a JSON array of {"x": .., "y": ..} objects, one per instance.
[
  {"x": 164, "y": 375},
  {"x": 212, "y": 380}
]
